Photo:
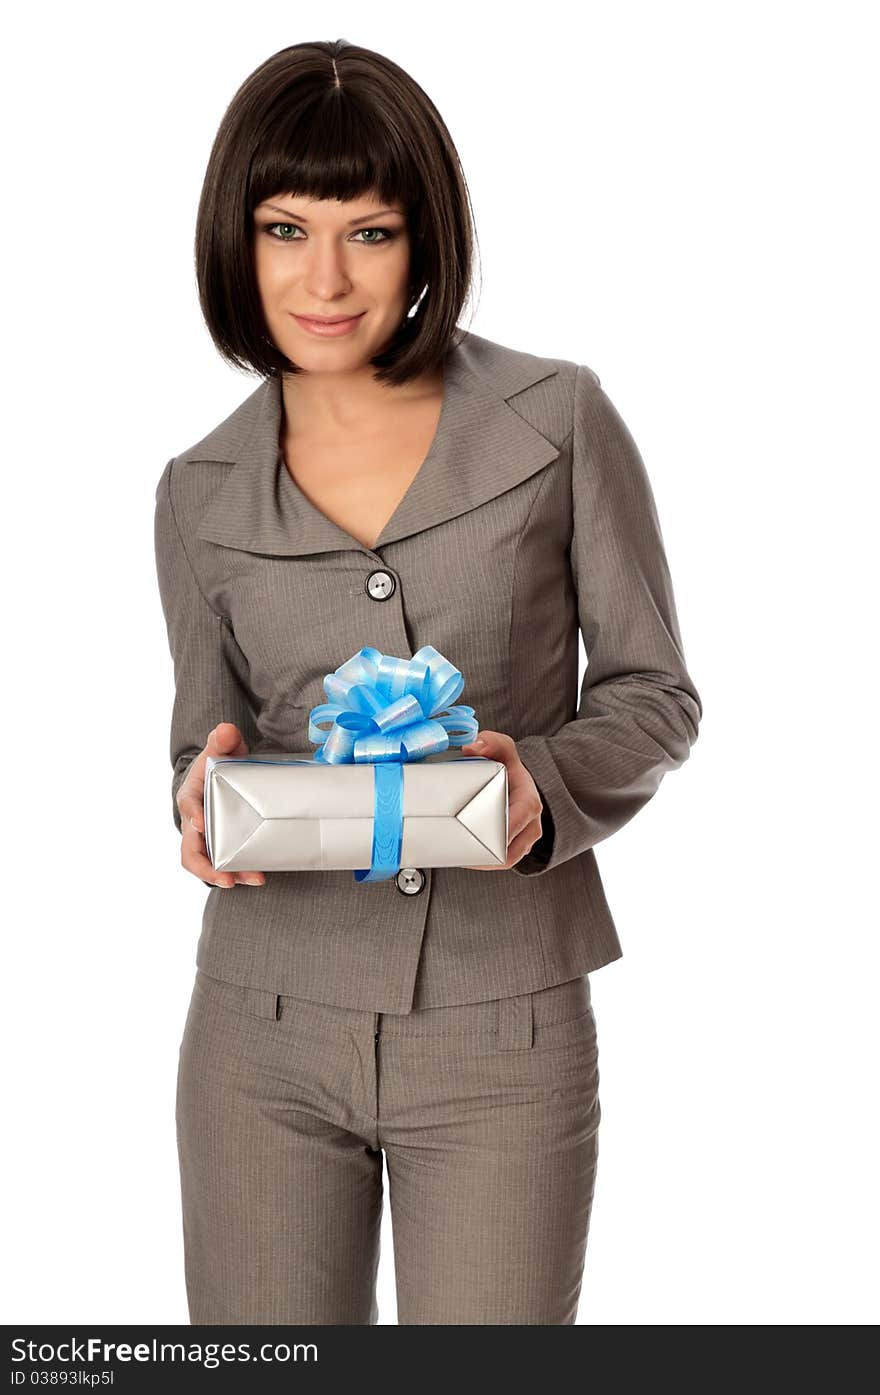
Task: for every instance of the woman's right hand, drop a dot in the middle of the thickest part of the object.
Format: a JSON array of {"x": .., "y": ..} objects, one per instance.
[{"x": 225, "y": 740}]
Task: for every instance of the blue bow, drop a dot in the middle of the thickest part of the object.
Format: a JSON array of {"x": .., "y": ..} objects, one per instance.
[{"x": 385, "y": 711}]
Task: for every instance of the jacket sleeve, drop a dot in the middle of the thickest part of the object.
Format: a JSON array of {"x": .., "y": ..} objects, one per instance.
[
  {"x": 639, "y": 711},
  {"x": 210, "y": 671}
]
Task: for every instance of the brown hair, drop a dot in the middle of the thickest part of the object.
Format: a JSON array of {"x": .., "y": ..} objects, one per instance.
[{"x": 334, "y": 121}]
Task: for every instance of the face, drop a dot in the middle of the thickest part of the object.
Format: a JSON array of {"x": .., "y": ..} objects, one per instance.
[{"x": 323, "y": 259}]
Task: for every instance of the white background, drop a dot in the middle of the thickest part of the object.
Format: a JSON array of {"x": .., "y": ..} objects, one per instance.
[{"x": 683, "y": 197}]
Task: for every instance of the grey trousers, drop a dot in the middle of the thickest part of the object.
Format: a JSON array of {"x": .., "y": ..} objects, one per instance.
[{"x": 486, "y": 1114}]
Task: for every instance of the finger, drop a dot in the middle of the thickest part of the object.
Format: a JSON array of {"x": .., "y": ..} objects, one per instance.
[
  {"x": 192, "y": 811},
  {"x": 190, "y": 796},
  {"x": 201, "y": 866},
  {"x": 524, "y": 842},
  {"x": 524, "y": 800},
  {"x": 524, "y": 810}
]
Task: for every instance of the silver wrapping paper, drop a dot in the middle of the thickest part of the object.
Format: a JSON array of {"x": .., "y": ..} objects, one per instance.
[{"x": 265, "y": 814}]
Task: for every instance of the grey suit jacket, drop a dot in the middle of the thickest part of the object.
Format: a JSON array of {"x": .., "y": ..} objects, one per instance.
[{"x": 531, "y": 518}]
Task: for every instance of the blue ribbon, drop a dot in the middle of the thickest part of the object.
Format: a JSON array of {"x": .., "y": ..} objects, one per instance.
[{"x": 384, "y": 711}]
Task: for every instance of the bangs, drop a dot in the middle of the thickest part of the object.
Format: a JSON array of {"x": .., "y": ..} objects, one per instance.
[{"x": 333, "y": 147}]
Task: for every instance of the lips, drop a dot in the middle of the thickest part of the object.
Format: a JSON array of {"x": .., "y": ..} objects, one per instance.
[
  {"x": 328, "y": 320},
  {"x": 331, "y": 328}
]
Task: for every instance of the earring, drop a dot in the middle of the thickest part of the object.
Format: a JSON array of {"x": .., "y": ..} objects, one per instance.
[{"x": 414, "y": 304}]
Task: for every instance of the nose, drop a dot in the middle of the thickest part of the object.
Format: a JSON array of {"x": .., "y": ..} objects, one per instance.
[{"x": 326, "y": 273}]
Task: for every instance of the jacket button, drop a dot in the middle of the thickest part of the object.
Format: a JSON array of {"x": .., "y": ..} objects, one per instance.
[
  {"x": 380, "y": 585},
  {"x": 410, "y": 880}
]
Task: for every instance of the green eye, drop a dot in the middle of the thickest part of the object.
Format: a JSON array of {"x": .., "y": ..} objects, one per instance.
[
  {"x": 386, "y": 233},
  {"x": 291, "y": 227}
]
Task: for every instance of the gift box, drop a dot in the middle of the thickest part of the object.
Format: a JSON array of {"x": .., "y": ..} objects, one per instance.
[
  {"x": 386, "y": 789},
  {"x": 277, "y": 812}
]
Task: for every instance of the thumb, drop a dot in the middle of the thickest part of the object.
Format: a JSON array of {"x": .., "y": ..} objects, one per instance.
[
  {"x": 224, "y": 738},
  {"x": 478, "y": 744}
]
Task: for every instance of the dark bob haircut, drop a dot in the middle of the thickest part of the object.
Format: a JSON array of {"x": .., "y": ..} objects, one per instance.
[{"x": 334, "y": 121}]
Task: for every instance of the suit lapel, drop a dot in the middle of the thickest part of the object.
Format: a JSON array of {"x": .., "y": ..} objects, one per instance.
[{"x": 481, "y": 448}]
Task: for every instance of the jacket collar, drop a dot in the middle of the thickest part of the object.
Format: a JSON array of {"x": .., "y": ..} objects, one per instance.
[{"x": 481, "y": 448}]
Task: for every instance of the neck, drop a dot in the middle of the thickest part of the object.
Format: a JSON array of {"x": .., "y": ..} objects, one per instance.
[{"x": 344, "y": 401}]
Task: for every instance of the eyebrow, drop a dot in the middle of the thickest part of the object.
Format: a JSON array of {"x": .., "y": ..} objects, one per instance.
[{"x": 367, "y": 218}]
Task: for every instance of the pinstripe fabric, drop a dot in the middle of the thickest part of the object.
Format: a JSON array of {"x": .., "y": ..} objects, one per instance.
[
  {"x": 487, "y": 1115},
  {"x": 530, "y": 519}
]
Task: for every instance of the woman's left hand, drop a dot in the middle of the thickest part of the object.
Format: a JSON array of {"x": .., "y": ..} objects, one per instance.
[{"x": 524, "y": 804}]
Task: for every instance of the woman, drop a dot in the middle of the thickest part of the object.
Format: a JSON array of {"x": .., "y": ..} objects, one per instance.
[{"x": 394, "y": 481}]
